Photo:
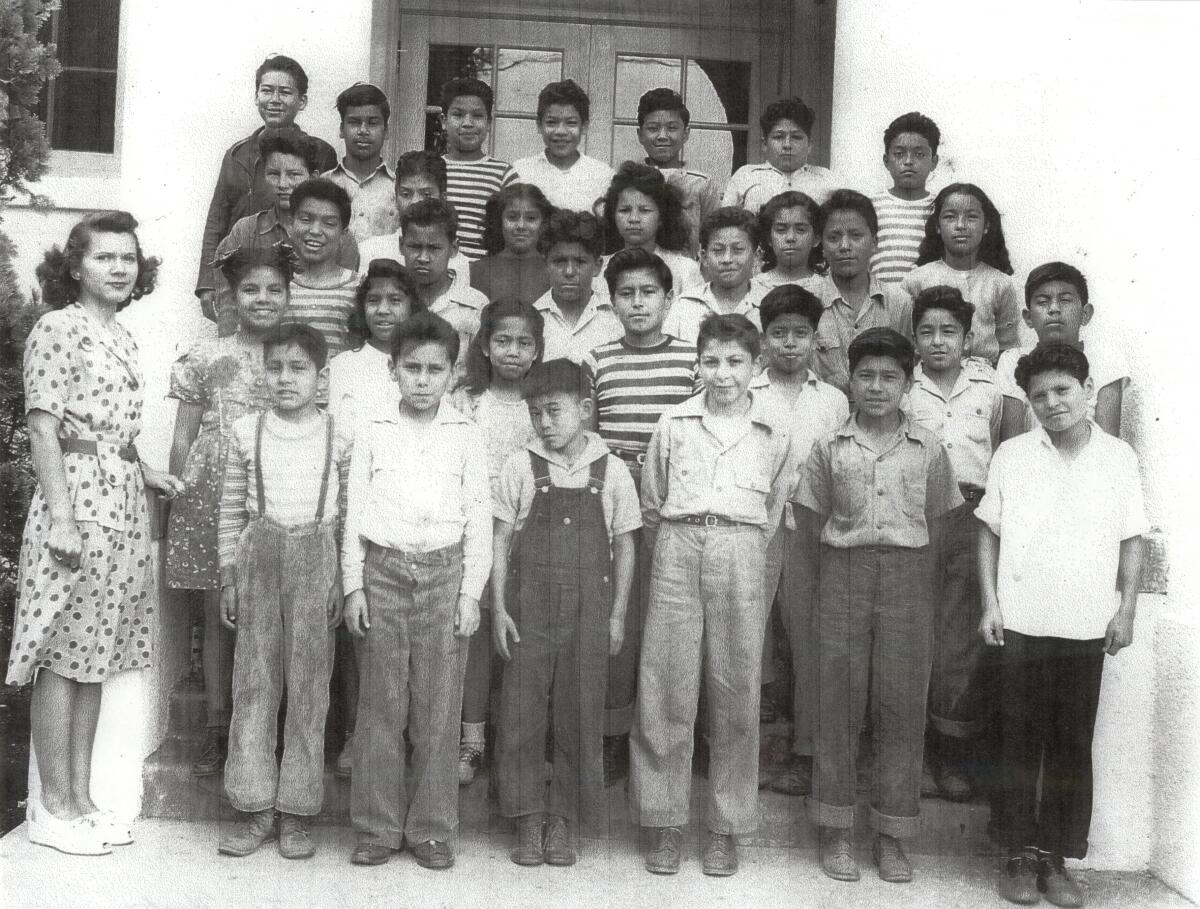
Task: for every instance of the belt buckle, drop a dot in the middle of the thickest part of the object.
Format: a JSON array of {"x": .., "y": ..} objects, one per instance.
[{"x": 711, "y": 520}]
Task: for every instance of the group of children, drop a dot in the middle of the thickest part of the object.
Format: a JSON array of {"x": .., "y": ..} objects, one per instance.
[{"x": 602, "y": 426}]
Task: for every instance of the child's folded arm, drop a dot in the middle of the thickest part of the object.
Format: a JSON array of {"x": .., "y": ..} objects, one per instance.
[{"x": 232, "y": 515}]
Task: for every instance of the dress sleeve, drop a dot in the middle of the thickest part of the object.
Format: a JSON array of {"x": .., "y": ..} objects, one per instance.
[
  {"x": 189, "y": 377},
  {"x": 47, "y": 367}
]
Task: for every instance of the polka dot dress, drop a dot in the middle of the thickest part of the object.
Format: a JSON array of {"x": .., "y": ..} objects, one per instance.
[{"x": 91, "y": 622}]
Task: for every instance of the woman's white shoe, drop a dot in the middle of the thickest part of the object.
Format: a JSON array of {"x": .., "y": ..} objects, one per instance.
[
  {"x": 74, "y": 837},
  {"x": 110, "y": 828}
]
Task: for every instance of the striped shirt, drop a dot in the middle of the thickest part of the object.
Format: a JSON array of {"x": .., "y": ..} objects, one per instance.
[
  {"x": 633, "y": 386},
  {"x": 469, "y": 184},
  {"x": 327, "y": 309},
  {"x": 901, "y": 230}
]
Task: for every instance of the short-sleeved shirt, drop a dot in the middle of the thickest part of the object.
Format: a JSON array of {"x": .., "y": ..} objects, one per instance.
[
  {"x": 693, "y": 467},
  {"x": 469, "y": 184},
  {"x": 754, "y": 185},
  {"x": 598, "y": 324},
  {"x": 690, "y": 309},
  {"x": 700, "y": 194},
  {"x": 901, "y": 230},
  {"x": 1106, "y": 366},
  {"x": 885, "y": 306},
  {"x": 327, "y": 308},
  {"x": 618, "y": 498},
  {"x": 372, "y": 200},
  {"x": 967, "y": 421},
  {"x": 576, "y": 189},
  {"x": 1061, "y": 523},
  {"x": 883, "y": 496},
  {"x": 991, "y": 291}
]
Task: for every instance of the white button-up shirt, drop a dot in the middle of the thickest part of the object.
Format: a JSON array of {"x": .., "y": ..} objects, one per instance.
[{"x": 967, "y": 421}]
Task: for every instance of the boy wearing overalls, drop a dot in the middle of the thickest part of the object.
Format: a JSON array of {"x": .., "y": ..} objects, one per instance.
[
  {"x": 576, "y": 511},
  {"x": 282, "y": 504}
]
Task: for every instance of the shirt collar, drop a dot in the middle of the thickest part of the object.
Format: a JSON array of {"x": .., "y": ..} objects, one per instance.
[
  {"x": 267, "y": 220},
  {"x": 341, "y": 169},
  {"x": 760, "y": 410},
  {"x": 708, "y": 298},
  {"x": 447, "y": 413},
  {"x": 452, "y": 298},
  {"x": 850, "y": 430},
  {"x": 762, "y": 380},
  {"x": 972, "y": 371},
  {"x": 592, "y": 452},
  {"x": 545, "y": 303},
  {"x": 831, "y": 295},
  {"x": 1043, "y": 437}
]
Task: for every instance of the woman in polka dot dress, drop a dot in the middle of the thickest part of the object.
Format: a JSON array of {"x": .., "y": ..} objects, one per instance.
[{"x": 83, "y": 608}]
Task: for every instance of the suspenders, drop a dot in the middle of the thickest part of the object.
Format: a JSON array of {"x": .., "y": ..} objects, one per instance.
[
  {"x": 541, "y": 473},
  {"x": 258, "y": 474}
]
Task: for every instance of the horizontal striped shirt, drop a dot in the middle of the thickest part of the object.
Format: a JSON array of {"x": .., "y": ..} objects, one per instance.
[
  {"x": 469, "y": 184},
  {"x": 901, "y": 229},
  {"x": 633, "y": 387},
  {"x": 327, "y": 309}
]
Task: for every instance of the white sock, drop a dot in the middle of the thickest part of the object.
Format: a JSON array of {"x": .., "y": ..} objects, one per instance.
[{"x": 472, "y": 733}]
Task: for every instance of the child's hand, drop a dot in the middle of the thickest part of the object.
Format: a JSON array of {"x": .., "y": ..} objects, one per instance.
[
  {"x": 229, "y": 607},
  {"x": 355, "y": 614},
  {"x": 503, "y": 627},
  {"x": 333, "y": 605},
  {"x": 992, "y": 628},
  {"x": 466, "y": 618},
  {"x": 166, "y": 483},
  {"x": 1119, "y": 634},
  {"x": 616, "y": 634}
]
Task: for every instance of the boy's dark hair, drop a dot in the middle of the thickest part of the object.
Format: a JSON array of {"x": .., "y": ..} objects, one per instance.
[
  {"x": 662, "y": 99},
  {"x": 380, "y": 270},
  {"x": 363, "y": 94},
  {"x": 912, "y": 122},
  {"x": 1056, "y": 271},
  {"x": 425, "y": 327},
  {"x": 462, "y": 87},
  {"x": 672, "y": 228},
  {"x": 729, "y": 216},
  {"x": 790, "y": 300},
  {"x": 942, "y": 296},
  {"x": 241, "y": 260},
  {"x": 493, "y": 212},
  {"x": 290, "y": 142},
  {"x": 992, "y": 250},
  {"x": 307, "y": 338},
  {"x": 422, "y": 164},
  {"x": 883, "y": 342},
  {"x": 1051, "y": 358},
  {"x": 431, "y": 213},
  {"x": 792, "y": 109},
  {"x": 56, "y": 273},
  {"x": 573, "y": 227},
  {"x": 561, "y": 376},
  {"x": 565, "y": 92},
  {"x": 766, "y": 218},
  {"x": 848, "y": 200},
  {"x": 324, "y": 190},
  {"x": 479, "y": 367},
  {"x": 281, "y": 64},
  {"x": 732, "y": 327},
  {"x": 624, "y": 260}
]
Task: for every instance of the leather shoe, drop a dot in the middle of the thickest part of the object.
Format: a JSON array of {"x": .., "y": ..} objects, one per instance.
[
  {"x": 663, "y": 857},
  {"x": 1019, "y": 879},
  {"x": 259, "y": 830},
  {"x": 294, "y": 839},
  {"x": 369, "y": 853},
  {"x": 894, "y": 867},
  {"x": 1058, "y": 886},
  {"x": 558, "y": 842},
  {"x": 529, "y": 852},
  {"x": 720, "y": 855},
  {"x": 434, "y": 855},
  {"x": 837, "y": 854}
]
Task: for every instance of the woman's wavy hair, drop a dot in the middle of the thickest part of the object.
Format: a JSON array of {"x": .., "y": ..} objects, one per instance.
[
  {"x": 493, "y": 212},
  {"x": 673, "y": 233},
  {"x": 56, "y": 274},
  {"x": 766, "y": 219},
  {"x": 993, "y": 251}
]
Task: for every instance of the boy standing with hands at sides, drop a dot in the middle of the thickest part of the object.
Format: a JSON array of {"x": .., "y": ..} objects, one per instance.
[
  {"x": 472, "y": 175},
  {"x": 663, "y": 130},
  {"x": 417, "y": 551},
  {"x": 570, "y": 179},
  {"x": 787, "y": 130},
  {"x": 283, "y": 501},
  {"x": 729, "y": 245},
  {"x": 958, "y": 398},
  {"x": 280, "y": 93},
  {"x": 1060, "y": 545},
  {"x": 323, "y": 294},
  {"x": 910, "y": 153},
  {"x": 365, "y": 112},
  {"x": 574, "y": 509},
  {"x": 871, "y": 491},
  {"x": 713, "y": 488}
]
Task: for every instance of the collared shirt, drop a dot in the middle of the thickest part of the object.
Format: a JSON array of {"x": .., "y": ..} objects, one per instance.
[
  {"x": 387, "y": 246},
  {"x": 753, "y": 185},
  {"x": 618, "y": 498},
  {"x": 461, "y": 307},
  {"x": 598, "y": 324},
  {"x": 685, "y": 271},
  {"x": 967, "y": 421},
  {"x": 576, "y": 189},
  {"x": 901, "y": 230},
  {"x": 818, "y": 409},
  {"x": 883, "y": 496},
  {"x": 701, "y": 197},
  {"x": 691, "y": 470},
  {"x": 1061, "y": 523},
  {"x": 419, "y": 490},
  {"x": 361, "y": 385},
  {"x": 690, "y": 309},
  {"x": 885, "y": 306},
  {"x": 997, "y": 303},
  {"x": 372, "y": 200}
]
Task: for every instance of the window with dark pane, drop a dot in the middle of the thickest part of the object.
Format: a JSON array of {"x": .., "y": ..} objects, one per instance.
[{"x": 79, "y": 107}]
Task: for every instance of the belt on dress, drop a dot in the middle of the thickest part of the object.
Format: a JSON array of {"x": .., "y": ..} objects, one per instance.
[
  {"x": 707, "y": 520},
  {"x": 91, "y": 447}
]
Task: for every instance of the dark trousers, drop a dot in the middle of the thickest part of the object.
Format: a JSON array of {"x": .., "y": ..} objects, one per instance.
[{"x": 1050, "y": 688}]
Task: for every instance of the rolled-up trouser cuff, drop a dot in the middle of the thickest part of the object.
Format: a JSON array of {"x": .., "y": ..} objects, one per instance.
[
  {"x": 823, "y": 815},
  {"x": 895, "y": 826},
  {"x": 956, "y": 729}
]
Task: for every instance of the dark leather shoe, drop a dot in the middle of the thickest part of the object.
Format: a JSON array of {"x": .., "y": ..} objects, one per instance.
[
  {"x": 796, "y": 777},
  {"x": 1019, "y": 879},
  {"x": 720, "y": 855},
  {"x": 663, "y": 857},
  {"x": 1058, "y": 887},
  {"x": 837, "y": 854},
  {"x": 893, "y": 864},
  {"x": 370, "y": 854},
  {"x": 434, "y": 855},
  {"x": 558, "y": 842},
  {"x": 259, "y": 830},
  {"x": 294, "y": 839},
  {"x": 529, "y": 852},
  {"x": 211, "y": 759}
]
